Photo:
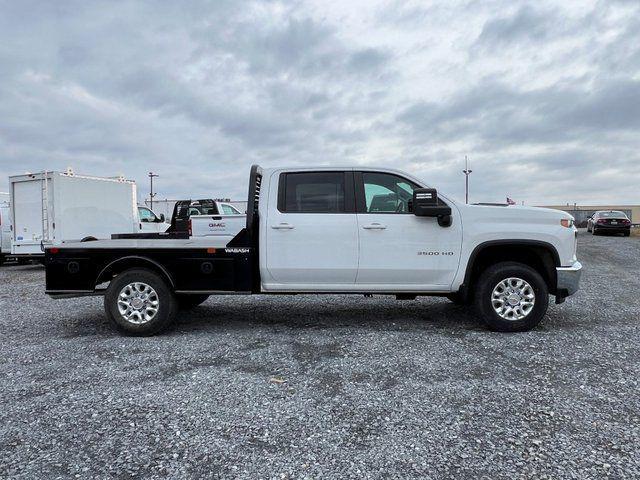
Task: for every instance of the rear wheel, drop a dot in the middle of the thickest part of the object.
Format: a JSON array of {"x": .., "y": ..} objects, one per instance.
[
  {"x": 186, "y": 302},
  {"x": 511, "y": 297},
  {"x": 626, "y": 234},
  {"x": 139, "y": 302}
]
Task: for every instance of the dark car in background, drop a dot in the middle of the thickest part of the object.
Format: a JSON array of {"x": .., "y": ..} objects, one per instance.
[{"x": 610, "y": 221}]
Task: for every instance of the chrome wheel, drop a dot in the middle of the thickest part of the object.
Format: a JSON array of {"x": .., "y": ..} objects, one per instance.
[
  {"x": 513, "y": 298},
  {"x": 138, "y": 303}
]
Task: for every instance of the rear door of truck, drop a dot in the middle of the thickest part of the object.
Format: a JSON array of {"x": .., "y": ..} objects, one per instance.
[
  {"x": 311, "y": 231},
  {"x": 27, "y": 213},
  {"x": 5, "y": 228}
]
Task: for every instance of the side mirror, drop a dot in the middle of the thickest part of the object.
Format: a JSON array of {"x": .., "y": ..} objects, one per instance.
[
  {"x": 162, "y": 218},
  {"x": 425, "y": 204}
]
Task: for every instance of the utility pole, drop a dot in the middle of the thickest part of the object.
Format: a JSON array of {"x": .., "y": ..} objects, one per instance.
[
  {"x": 466, "y": 172},
  {"x": 151, "y": 194}
]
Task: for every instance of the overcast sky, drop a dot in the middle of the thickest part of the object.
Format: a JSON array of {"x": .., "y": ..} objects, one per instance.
[{"x": 544, "y": 97}]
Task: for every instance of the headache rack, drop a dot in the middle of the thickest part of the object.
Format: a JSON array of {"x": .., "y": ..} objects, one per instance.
[{"x": 255, "y": 181}]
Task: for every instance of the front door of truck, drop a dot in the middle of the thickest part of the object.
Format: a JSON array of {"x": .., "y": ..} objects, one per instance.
[
  {"x": 398, "y": 250},
  {"x": 311, "y": 232}
]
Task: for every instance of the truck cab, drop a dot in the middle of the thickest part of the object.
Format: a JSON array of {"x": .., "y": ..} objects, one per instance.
[
  {"x": 150, "y": 222},
  {"x": 351, "y": 230},
  {"x": 345, "y": 230}
]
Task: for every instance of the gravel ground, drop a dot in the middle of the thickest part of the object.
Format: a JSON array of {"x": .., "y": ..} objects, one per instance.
[{"x": 319, "y": 387}]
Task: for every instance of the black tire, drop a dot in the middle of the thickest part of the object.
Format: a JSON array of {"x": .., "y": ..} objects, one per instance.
[
  {"x": 588, "y": 229},
  {"x": 490, "y": 278},
  {"x": 593, "y": 231},
  {"x": 2, "y": 259},
  {"x": 186, "y": 302},
  {"x": 627, "y": 234},
  {"x": 167, "y": 304}
]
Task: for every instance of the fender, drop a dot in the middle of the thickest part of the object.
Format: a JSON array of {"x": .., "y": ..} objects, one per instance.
[
  {"x": 513, "y": 242},
  {"x": 147, "y": 260}
]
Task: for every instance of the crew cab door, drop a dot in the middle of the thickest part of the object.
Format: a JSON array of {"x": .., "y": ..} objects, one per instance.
[
  {"x": 311, "y": 232},
  {"x": 398, "y": 250}
]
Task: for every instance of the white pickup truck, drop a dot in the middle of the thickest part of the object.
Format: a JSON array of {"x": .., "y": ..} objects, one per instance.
[
  {"x": 207, "y": 218},
  {"x": 336, "y": 230}
]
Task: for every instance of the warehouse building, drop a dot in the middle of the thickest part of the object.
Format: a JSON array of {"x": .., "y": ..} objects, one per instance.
[{"x": 582, "y": 212}]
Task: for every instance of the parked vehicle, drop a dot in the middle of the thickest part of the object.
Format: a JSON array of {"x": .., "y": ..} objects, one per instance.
[
  {"x": 223, "y": 207},
  {"x": 150, "y": 222},
  {"x": 204, "y": 218},
  {"x": 611, "y": 221},
  {"x": 49, "y": 208},
  {"x": 5, "y": 227},
  {"x": 211, "y": 207},
  {"x": 327, "y": 230}
]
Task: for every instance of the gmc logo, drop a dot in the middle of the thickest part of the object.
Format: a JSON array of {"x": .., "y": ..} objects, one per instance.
[{"x": 216, "y": 225}]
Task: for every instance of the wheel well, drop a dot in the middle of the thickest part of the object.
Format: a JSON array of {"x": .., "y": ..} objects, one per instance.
[
  {"x": 541, "y": 257},
  {"x": 127, "y": 263}
]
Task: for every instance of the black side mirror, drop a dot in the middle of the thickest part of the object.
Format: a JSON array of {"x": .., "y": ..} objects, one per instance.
[
  {"x": 425, "y": 204},
  {"x": 161, "y": 220}
]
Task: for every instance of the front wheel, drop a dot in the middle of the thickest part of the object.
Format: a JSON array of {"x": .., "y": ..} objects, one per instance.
[
  {"x": 139, "y": 302},
  {"x": 511, "y": 297}
]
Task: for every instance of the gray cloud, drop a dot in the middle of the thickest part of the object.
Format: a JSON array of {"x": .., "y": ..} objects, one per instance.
[{"x": 525, "y": 24}]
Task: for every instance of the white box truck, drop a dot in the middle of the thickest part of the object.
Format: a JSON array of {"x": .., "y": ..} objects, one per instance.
[{"x": 49, "y": 208}]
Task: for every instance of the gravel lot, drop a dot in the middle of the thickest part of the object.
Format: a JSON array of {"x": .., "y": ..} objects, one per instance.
[{"x": 318, "y": 387}]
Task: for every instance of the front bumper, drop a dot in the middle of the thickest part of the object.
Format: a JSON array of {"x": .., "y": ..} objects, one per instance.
[{"x": 568, "y": 280}]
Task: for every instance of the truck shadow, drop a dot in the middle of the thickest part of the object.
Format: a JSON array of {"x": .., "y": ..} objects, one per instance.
[{"x": 388, "y": 315}]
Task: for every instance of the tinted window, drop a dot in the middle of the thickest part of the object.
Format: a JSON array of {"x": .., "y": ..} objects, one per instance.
[
  {"x": 317, "y": 192},
  {"x": 387, "y": 193},
  {"x": 613, "y": 214}
]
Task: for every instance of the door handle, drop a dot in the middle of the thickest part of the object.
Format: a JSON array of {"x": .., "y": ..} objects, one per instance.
[
  {"x": 374, "y": 226},
  {"x": 282, "y": 226}
]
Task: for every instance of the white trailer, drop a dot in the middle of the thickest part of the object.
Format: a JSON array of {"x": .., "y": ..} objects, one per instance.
[{"x": 49, "y": 208}]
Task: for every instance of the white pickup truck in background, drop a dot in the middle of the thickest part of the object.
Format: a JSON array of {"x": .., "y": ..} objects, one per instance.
[
  {"x": 209, "y": 218},
  {"x": 325, "y": 231}
]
